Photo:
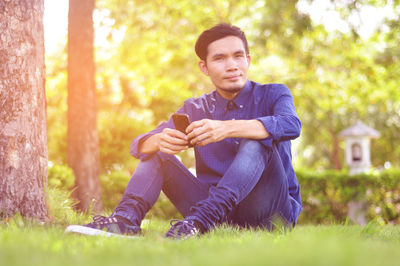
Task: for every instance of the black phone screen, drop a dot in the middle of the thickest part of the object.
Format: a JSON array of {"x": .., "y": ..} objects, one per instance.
[{"x": 181, "y": 122}]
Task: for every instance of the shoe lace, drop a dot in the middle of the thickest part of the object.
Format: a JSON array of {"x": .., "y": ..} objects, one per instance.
[
  {"x": 181, "y": 227},
  {"x": 100, "y": 219}
]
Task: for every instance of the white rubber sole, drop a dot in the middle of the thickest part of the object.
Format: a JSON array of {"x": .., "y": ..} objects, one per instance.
[{"x": 84, "y": 230}]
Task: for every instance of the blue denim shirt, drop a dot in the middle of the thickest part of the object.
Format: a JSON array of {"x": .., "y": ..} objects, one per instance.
[{"x": 271, "y": 104}]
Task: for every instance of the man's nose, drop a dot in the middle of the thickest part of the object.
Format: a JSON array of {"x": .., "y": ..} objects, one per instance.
[{"x": 231, "y": 64}]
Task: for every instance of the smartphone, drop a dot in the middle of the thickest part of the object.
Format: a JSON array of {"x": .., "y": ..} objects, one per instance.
[{"x": 181, "y": 122}]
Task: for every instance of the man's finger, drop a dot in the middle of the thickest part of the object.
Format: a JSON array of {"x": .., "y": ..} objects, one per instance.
[
  {"x": 194, "y": 125},
  {"x": 176, "y": 133},
  {"x": 174, "y": 140},
  {"x": 200, "y": 138},
  {"x": 168, "y": 151},
  {"x": 173, "y": 148},
  {"x": 197, "y": 132}
]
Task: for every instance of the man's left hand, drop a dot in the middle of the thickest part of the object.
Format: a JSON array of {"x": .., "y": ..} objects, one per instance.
[{"x": 206, "y": 131}]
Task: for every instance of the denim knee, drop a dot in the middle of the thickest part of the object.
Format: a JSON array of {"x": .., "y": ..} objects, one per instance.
[
  {"x": 251, "y": 147},
  {"x": 164, "y": 156},
  {"x": 159, "y": 158}
]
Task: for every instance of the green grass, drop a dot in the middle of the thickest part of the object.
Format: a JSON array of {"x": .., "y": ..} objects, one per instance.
[{"x": 24, "y": 244}]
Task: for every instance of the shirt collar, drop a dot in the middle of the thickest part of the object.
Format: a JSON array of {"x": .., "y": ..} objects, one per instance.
[{"x": 238, "y": 102}]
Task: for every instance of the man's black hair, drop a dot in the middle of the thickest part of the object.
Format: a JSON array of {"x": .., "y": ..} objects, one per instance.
[{"x": 215, "y": 33}]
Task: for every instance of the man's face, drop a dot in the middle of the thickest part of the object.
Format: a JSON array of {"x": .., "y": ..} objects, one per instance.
[{"x": 227, "y": 64}]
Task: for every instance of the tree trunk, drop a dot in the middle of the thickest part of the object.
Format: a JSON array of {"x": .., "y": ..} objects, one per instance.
[
  {"x": 335, "y": 148},
  {"x": 83, "y": 150},
  {"x": 23, "y": 136},
  {"x": 335, "y": 152}
]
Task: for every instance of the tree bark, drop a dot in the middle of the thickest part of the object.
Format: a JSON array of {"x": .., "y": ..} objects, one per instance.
[
  {"x": 23, "y": 135},
  {"x": 337, "y": 165},
  {"x": 335, "y": 148},
  {"x": 82, "y": 138}
]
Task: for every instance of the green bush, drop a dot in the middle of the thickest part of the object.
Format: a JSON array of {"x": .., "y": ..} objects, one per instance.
[
  {"x": 61, "y": 177},
  {"x": 164, "y": 209},
  {"x": 113, "y": 186},
  {"x": 61, "y": 206},
  {"x": 326, "y": 195},
  {"x": 116, "y": 132}
]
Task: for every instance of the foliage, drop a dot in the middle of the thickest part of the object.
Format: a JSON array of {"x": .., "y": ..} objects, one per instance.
[
  {"x": 61, "y": 207},
  {"x": 61, "y": 203},
  {"x": 56, "y": 95},
  {"x": 146, "y": 68},
  {"x": 326, "y": 195},
  {"x": 164, "y": 209},
  {"x": 116, "y": 129},
  {"x": 113, "y": 186},
  {"x": 61, "y": 177}
]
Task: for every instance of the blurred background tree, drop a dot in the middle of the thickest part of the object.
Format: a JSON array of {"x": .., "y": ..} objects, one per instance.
[
  {"x": 82, "y": 137},
  {"x": 146, "y": 67}
]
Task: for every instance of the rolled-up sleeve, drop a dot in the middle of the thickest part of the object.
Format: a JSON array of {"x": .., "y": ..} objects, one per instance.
[
  {"x": 134, "y": 148},
  {"x": 283, "y": 123},
  {"x": 135, "y": 144}
]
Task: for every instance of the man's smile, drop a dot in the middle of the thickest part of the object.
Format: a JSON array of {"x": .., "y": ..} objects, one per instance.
[{"x": 233, "y": 77}]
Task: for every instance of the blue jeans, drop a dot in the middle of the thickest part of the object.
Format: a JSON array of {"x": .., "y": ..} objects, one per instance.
[{"x": 252, "y": 193}]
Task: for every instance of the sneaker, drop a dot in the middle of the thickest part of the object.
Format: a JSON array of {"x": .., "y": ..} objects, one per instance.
[
  {"x": 105, "y": 226},
  {"x": 182, "y": 230}
]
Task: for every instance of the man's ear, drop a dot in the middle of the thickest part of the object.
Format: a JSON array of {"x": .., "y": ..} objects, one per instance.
[
  {"x": 248, "y": 59},
  {"x": 203, "y": 67}
]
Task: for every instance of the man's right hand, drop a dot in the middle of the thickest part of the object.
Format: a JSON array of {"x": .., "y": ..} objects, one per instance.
[
  {"x": 172, "y": 141},
  {"x": 169, "y": 141}
]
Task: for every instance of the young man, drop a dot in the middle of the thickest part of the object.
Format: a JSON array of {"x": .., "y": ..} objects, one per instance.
[{"x": 241, "y": 134}]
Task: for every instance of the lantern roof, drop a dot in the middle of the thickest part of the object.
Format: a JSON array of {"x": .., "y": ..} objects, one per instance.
[{"x": 359, "y": 129}]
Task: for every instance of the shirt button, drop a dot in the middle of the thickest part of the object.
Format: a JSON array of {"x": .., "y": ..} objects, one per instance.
[
  {"x": 233, "y": 118},
  {"x": 236, "y": 142},
  {"x": 241, "y": 106}
]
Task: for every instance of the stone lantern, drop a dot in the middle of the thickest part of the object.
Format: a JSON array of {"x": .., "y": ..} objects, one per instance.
[{"x": 358, "y": 152}]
